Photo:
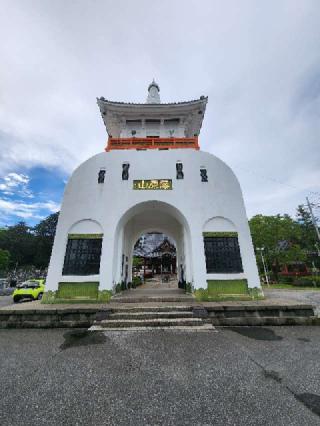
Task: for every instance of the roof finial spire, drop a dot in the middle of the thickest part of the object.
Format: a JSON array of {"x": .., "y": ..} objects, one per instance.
[{"x": 153, "y": 93}]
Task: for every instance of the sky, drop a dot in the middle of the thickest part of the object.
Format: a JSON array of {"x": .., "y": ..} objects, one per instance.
[{"x": 257, "y": 61}]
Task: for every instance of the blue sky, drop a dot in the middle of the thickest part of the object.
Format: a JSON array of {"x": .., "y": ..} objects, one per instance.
[
  {"x": 30, "y": 195},
  {"x": 258, "y": 62}
]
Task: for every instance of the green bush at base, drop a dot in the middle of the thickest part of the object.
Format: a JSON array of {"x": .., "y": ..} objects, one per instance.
[
  {"x": 223, "y": 287},
  {"x": 309, "y": 281},
  {"x": 119, "y": 287},
  {"x": 136, "y": 281}
]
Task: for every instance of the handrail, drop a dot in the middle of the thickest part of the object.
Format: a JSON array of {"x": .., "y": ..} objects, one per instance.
[{"x": 152, "y": 143}]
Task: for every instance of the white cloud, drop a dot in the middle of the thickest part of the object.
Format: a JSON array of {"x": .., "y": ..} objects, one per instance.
[
  {"x": 13, "y": 180},
  {"x": 26, "y": 210},
  {"x": 14, "y": 202},
  {"x": 16, "y": 184},
  {"x": 259, "y": 64}
]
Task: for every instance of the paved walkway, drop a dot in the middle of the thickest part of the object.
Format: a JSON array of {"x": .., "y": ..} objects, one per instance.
[
  {"x": 156, "y": 283},
  {"x": 273, "y": 297},
  {"x": 155, "y": 288}
]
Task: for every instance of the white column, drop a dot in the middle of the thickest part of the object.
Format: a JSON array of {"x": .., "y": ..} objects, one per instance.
[
  {"x": 106, "y": 263},
  {"x": 199, "y": 261},
  {"x": 162, "y": 132},
  {"x": 143, "y": 128}
]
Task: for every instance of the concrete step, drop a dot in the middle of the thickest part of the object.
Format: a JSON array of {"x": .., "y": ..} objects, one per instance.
[
  {"x": 148, "y": 308},
  {"x": 194, "y": 328},
  {"x": 155, "y": 322},
  {"x": 152, "y": 299},
  {"x": 151, "y": 315}
]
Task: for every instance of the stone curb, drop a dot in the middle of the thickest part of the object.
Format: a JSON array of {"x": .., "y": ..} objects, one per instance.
[{"x": 216, "y": 315}]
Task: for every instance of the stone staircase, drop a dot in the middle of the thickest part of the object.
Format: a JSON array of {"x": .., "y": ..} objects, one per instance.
[{"x": 148, "y": 317}]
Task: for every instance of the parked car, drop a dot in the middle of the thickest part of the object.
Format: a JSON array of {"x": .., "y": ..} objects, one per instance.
[{"x": 30, "y": 289}]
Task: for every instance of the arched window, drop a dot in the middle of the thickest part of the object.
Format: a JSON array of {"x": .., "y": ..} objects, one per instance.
[
  {"x": 221, "y": 247},
  {"x": 83, "y": 251}
]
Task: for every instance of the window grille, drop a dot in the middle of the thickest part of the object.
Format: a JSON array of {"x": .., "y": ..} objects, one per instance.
[
  {"x": 179, "y": 168},
  {"x": 222, "y": 255},
  {"x": 82, "y": 256}
]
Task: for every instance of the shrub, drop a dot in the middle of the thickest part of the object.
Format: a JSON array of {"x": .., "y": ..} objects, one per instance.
[
  {"x": 256, "y": 293},
  {"x": 188, "y": 288},
  {"x": 285, "y": 279},
  {"x": 313, "y": 281},
  {"x": 49, "y": 297},
  {"x": 118, "y": 288},
  {"x": 136, "y": 281},
  {"x": 104, "y": 296}
]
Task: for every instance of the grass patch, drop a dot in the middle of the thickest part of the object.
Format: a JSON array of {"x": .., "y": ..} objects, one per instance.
[{"x": 283, "y": 286}]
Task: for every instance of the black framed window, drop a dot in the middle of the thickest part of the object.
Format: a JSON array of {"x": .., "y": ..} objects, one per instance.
[
  {"x": 82, "y": 256},
  {"x": 222, "y": 255}
]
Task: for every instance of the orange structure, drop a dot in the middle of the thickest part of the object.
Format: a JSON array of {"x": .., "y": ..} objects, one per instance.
[{"x": 152, "y": 143}]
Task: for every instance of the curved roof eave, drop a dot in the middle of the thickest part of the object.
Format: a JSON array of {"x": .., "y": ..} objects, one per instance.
[{"x": 102, "y": 100}]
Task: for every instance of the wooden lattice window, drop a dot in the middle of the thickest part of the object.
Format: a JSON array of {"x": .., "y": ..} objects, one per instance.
[
  {"x": 82, "y": 256},
  {"x": 222, "y": 254}
]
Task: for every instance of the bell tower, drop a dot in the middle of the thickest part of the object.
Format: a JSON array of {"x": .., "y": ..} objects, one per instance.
[{"x": 153, "y": 125}]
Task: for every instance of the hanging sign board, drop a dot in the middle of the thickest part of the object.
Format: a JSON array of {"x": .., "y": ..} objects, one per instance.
[{"x": 160, "y": 184}]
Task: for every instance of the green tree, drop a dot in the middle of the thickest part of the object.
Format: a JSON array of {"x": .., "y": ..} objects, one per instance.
[
  {"x": 4, "y": 260},
  {"x": 280, "y": 236},
  {"x": 44, "y": 236},
  {"x": 308, "y": 236},
  {"x": 137, "y": 261},
  {"x": 20, "y": 242}
]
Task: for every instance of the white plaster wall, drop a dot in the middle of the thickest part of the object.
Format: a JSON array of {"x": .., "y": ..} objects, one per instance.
[
  {"x": 219, "y": 224},
  {"x": 86, "y": 226},
  {"x": 191, "y": 204},
  {"x": 144, "y": 129}
]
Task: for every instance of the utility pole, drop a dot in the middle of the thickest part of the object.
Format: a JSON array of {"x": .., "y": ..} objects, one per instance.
[
  {"x": 264, "y": 265},
  {"x": 313, "y": 219}
]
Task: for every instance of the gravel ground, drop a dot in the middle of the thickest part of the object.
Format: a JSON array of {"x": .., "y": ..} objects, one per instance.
[
  {"x": 235, "y": 376},
  {"x": 300, "y": 296}
]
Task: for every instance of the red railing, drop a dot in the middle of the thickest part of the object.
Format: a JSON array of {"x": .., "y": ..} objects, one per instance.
[{"x": 152, "y": 143}]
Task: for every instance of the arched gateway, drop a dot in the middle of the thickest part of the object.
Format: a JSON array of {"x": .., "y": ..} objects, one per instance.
[
  {"x": 152, "y": 178},
  {"x": 152, "y": 216}
]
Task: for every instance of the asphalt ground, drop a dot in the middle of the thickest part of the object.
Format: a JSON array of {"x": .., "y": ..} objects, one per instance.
[
  {"x": 5, "y": 301},
  {"x": 241, "y": 376}
]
